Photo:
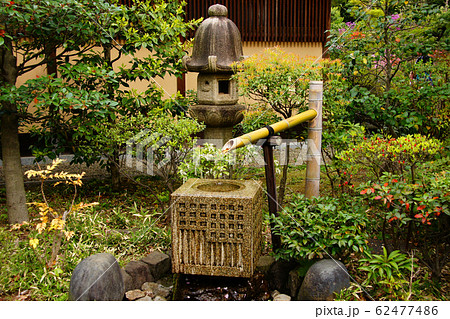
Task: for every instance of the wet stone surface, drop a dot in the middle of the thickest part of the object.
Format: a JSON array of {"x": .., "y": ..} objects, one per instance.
[{"x": 204, "y": 288}]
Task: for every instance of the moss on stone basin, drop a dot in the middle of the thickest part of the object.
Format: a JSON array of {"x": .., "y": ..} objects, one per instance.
[{"x": 216, "y": 227}]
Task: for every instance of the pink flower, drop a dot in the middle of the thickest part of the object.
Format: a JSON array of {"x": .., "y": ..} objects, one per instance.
[{"x": 395, "y": 16}]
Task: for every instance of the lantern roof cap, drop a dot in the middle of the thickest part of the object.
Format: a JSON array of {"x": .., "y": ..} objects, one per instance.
[{"x": 217, "y": 43}]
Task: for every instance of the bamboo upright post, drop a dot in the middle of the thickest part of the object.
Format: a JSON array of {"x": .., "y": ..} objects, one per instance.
[{"x": 313, "y": 155}]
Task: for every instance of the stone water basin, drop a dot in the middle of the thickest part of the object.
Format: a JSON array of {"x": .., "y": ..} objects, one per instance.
[{"x": 216, "y": 227}]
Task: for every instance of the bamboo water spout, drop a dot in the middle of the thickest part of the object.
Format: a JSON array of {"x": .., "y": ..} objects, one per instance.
[
  {"x": 253, "y": 137},
  {"x": 314, "y": 115}
]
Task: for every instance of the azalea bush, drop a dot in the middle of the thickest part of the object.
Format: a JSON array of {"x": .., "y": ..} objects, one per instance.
[
  {"x": 413, "y": 215},
  {"x": 405, "y": 190},
  {"x": 395, "y": 155},
  {"x": 338, "y": 137}
]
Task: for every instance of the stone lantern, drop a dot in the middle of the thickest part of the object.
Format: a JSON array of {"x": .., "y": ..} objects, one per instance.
[{"x": 217, "y": 45}]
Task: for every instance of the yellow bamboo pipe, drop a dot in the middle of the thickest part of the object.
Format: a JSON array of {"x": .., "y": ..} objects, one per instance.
[{"x": 253, "y": 137}]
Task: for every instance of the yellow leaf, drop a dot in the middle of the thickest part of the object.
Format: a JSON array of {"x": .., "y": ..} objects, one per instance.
[
  {"x": 82, "y": 205},
  {"x": 15, "y": 226},
  {"x": 57, "y": 224},
  {"x": 34, "y": 242},
  {"x": 18, "y": 226},
  {"x": 40, "y": 227},
  {"x": 68, "y": 234},
  {"x": 355, "y": 72},
  {"x": 365, "y": 61}
]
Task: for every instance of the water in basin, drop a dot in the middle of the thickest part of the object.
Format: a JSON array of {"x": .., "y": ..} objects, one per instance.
[{"x": 220, "y": 186}]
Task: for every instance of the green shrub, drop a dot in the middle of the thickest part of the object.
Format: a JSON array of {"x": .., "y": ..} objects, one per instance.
[
  {"x": 207, "y": 161},
  {"x": 337, "y": 137},
  {"x": 165, "y": 141},
  {"x": 277, "y": 79},
  {"x": 255, "y": 119},
  {"x": 388, "y": 272},
  {"x": 321, "y": 227},
  {"x": 395, "y": 155},
  {"x": 386, "y": 266}
]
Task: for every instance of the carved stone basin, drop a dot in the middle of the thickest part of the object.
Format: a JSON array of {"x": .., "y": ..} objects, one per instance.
[{"x": 216, "y": 227}]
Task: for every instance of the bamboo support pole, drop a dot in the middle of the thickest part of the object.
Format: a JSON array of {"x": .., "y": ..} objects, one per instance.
[
  {"x": 313, "y": 156},
  {"x": 269, "y": 169}
]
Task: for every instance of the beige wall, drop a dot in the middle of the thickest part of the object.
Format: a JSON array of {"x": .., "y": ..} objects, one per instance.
[
  {"x": 38, "y": 71},
  {"x": 249, "y": 48},
  {"x": 169, "y": 83}
]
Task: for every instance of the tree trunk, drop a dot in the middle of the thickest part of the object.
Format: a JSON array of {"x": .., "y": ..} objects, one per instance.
[
  {"x": 50, "y": 56},
  {"x": 12, "y": 166},
  {"x": 114, "y": 160}
]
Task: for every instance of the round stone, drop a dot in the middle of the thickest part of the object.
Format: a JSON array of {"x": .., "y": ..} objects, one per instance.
[
  {"x": 323, "y": 279},
  {"x": 97, "y": 277},
  {"x": 217, "y": 10}
]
